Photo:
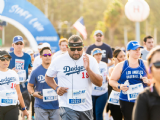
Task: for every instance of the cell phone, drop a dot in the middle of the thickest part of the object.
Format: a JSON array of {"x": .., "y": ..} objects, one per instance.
[{"x": 40, "y": 94}]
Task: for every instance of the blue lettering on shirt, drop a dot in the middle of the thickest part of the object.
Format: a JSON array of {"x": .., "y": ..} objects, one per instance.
[{"x": 7, "y": 80}]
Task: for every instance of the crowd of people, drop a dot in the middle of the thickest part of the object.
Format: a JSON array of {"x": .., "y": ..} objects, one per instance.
[{"x": 78, "y": 84}]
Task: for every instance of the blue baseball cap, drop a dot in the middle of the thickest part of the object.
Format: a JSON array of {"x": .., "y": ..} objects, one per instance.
[
  {"x": 133, "y": 45},
  {"x": 17, "y": 39},
  {"x": 96, "y": 52},
  {"x": 98, "y": 31}
]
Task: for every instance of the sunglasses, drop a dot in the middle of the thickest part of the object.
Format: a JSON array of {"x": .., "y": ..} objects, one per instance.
[
  {"x": 5, "y": 58},
  {"x": 20, "y": 43},
  {"x": 45, "y": 55},
  {"x": 74, "y": 49},
  {"x": 156, "y": 64},
  {"x": 98, "y": 35}
]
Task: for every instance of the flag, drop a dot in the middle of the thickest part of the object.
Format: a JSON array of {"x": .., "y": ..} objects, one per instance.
[{"x": 79, "y": 26}]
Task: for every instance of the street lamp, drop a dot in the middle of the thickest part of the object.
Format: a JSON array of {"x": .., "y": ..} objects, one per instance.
[{"x": 137, "y": 11}]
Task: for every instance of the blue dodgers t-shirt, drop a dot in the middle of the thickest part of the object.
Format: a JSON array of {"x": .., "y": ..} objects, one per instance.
[
  {"x": 106, "y": 51},
  {"x": 38, "y": 79},
  {"x": 23, "y": 63}
]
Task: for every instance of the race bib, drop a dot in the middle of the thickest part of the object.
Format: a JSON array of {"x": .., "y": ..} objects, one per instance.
[
  {"x": 114, "y": 98},
  {"x": 49, "y": 95},
  {"x": 22, "y": 75},
  {"x": 8, "y": 98},
  {"x": 19, "y": 64},
  {"x": 76, "y": 97},
  {"x": 102, "y": 88},
  {"x": 134, "y": 90}
]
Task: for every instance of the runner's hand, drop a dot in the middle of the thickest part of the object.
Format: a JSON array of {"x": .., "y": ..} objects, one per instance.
[
  {"x": 15, "y": 70},
  {"x": 86, "y": 61},
  {"x": 35, "y": 94},
  {"x": 61, "y": 90},
  {"x": 25, "y": 113},
  {"x": 124, "y": 88},
  {"x": 146, "y": 80}
]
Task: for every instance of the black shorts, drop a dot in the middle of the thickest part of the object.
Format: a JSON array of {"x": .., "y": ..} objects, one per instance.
[{"x": 9, "y": 112}]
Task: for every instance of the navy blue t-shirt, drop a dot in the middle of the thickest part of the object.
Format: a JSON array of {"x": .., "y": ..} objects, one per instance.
[
  {"x": 38, "y": 79},
  {"x": 106, "y": 51},
  {"x": 23, "y": 63}
]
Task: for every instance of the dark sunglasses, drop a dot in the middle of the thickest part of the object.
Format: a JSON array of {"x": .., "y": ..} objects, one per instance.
[
  {"x": 98, "y": 35},
  {"x": 45, "y": 55},
  {"x": 5, "y": 58},
  {"x": 20, "y": 43},
  {"x": 74, "y": 49},
  {"x": 156, "y": 64}
]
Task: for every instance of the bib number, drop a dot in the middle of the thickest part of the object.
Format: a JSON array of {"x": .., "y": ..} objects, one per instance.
[
  {"x": 114, "y": 98},
  {"x": 49, "y": 95},
  {"x": 134, "y": 90},
  {"x": 76, "y": 97}
]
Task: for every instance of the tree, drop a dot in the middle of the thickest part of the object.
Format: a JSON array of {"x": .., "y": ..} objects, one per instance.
[{"x": 112, "y": 17}]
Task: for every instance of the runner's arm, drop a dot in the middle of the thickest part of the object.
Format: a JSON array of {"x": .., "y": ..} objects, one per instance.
[{"x": 51, "y": 82}]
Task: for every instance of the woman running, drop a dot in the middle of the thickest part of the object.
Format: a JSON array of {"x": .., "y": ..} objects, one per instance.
[
  {"x": 147, "y": 106},
  {"x": 118, "y": 56},
  {"x": 129, "y": 77},
  {"x": 10, "y": 94},
  {"x": 99, "y": 94}
]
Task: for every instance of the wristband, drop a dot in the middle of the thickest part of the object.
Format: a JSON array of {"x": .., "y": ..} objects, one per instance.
[
  {"x": 23, "y": 109},
  {"x": 56, "y": 88},
  {"x": 119, "y": 86},
  {"x": 32, "y": 94}
]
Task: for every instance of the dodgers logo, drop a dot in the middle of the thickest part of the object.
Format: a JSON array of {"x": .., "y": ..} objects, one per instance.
[
  {"x": 2, "y": 4},
  {"x": 135, "y": 44},
  {"x": 72, "y": 70},
  {"x": 41, "y": 78},
  {"x": 7, "y": 80}
]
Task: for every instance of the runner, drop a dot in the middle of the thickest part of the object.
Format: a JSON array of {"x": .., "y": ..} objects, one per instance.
[
  {"x": 76, "y": 71},
  {"x": 46, "y": 103},
  {"x": 99, "y": 94},
  {"x": 114, "y": 107},
  {"x": 131, "y": 75},
  {"x": 149, "y": 44},
  {"x": 147, "y": 106},
  {"x": 106, "y": 49},
  {"x": 63, "y": 47},
  {"x": 10, "y": 92},
  {"x": 21, "y": 63}
]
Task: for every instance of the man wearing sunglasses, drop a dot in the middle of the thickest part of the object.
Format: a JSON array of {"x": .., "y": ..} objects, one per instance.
[
  {"x": 10, "y": 94},
  {"x": 21, "y": 63},
  {"x": 46, "y": 99},
  {"x": 76, "y": 71},
  {"x": 106, "y": 49}
]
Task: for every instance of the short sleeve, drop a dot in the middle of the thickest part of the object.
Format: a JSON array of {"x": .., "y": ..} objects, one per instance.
[
  {"x": 94, "y": 65},
  {"x": 110, "y": 55},
  {"x": 52, "y": 70},
  {"x": 32, "y": 78}
]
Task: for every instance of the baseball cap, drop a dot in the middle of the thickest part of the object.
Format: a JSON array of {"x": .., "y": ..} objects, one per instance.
[
  {"x": 17, "y": 39},
  {"x": 29, "y": 52},
  {"x": 96, "y": 52},
  {"x": 45, "y": 45},
  {"x": 3, "y": 53},
  {"x": 98, "y": 31},
  {"x": 133, "y": 45}
]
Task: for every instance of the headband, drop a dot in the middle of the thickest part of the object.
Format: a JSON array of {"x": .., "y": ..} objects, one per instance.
[{"x": 75, "y": 44}]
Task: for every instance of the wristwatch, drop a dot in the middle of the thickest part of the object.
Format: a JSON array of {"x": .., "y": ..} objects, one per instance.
[
  {"x": 32, "y": 94},
  {"x": 118, "y": 86},
  {"x": 23, "y": 109},
  {"x": 56, "y": 88}
]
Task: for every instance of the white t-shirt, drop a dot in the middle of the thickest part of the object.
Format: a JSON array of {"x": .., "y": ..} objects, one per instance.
[
  {"x": 72, "y": 75},
  {"x": 8, "y": 94},
  {"x": 37, "y": 62},
  {"x": 97, "y": 91}
]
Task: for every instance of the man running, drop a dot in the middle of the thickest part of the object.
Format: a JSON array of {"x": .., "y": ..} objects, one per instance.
[
  {"x": 76, "y": 71},
  {"x": 21, "y": 63},
  {"x": 46, "y": 103}
]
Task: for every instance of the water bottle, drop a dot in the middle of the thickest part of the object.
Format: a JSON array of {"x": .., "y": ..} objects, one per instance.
[{"x": 126, "y": 83}]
